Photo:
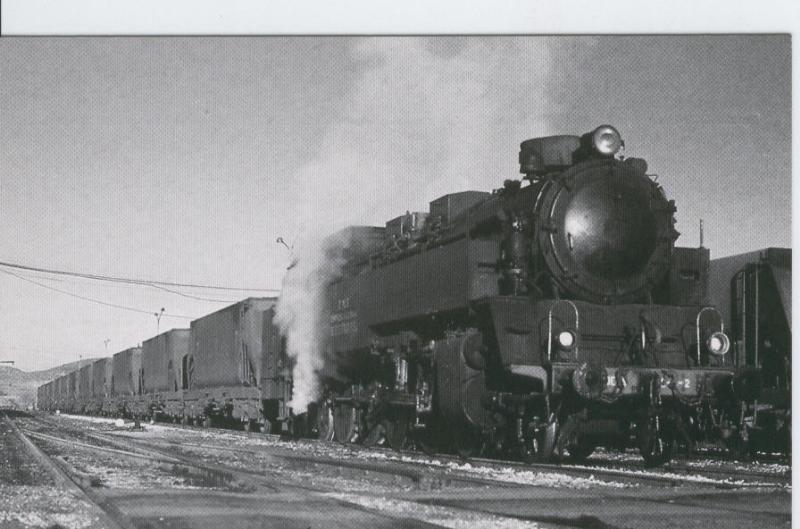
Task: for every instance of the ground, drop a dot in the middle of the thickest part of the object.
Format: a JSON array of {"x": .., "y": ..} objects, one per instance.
[{"x": 162, "y": 476}]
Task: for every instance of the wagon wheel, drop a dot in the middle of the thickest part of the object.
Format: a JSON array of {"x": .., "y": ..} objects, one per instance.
[
  {"x": 741, "y": 445},
  {"x": 654, "y": 443},
  {"x": 468, "y": 440},
  {"x": 581, "y": 449},
  {"x": 345, "y": 423},
  {"x": 739, "y": 449},
  {"x": 396, "y": 429},
  {"x": 324, "y": 421},
  {"x": 376, "y": 435},
  {"x": 539, "y": 443},
  {"x": 534, "y": 446},
  {"x": 429, "y": 439},
  {"x": 531, "y": 450},
  {"x": 288, "y": 428}
]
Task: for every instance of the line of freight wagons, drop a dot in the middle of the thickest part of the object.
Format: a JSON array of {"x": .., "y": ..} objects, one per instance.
[{"x": 228, "y": 366}]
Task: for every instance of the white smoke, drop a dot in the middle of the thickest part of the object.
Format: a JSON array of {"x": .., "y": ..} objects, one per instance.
[
  {"x": 301, "y": 313},
  {"x": 425, "y": 117}
]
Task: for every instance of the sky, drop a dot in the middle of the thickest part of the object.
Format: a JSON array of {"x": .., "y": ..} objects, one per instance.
[{"x": 183, "y": 159}]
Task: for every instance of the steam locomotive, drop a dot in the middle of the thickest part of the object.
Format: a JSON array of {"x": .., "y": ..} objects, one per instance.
[{"x": 546, "y": 318}]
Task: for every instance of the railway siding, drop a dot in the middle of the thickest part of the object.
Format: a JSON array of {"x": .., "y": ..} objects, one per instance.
[
  {"x": 185, "y": 474},
  {"x": 60, "y": 499}
]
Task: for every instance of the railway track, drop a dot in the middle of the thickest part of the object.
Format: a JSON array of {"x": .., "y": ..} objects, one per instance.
[
  {"x": 404, "y": 473},
  {"x": 403, "y": 461},
  {"x": 390, "y": 484},
  {"x": 65, "y": 476},
  {"x": 674, "y": 474},
  {"x": 419, "y": 474},
  {"x": 404, "y": 479},
  {"x": 672, "y": 477}
]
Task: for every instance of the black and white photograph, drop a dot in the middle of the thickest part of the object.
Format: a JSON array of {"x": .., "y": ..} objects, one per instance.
[{"x": 375, "y": 281}]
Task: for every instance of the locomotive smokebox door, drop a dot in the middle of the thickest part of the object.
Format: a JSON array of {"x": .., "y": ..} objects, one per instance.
[{"x": 606, "y": 231}]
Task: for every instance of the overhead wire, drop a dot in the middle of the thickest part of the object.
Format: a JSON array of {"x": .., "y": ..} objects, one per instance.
[
  {"x": 43, "y": 276},
  {"x": 160, "y": 285},
  {"x": 98, "y": 277},
  {"x": 100, "y": 302},
  {"x": 38, "y": 349},
  {"x": 191, "y": 296}
]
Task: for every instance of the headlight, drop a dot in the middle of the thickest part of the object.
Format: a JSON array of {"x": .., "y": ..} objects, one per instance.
[
  {"x": 606, "y": 140},
  {"x": 566, "y": 340},
  {"x": 718, "y": 343}
]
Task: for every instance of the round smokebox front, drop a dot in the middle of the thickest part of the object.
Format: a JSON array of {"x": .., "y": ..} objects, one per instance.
[{"x": 607, "y": 232}]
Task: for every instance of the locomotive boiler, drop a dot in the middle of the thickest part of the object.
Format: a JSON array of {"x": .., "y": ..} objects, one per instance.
[{"x": 550, "y": 316}]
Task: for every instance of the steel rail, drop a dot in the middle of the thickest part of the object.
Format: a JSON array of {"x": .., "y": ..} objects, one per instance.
[
  {"x": 669, "y": 476},
  {"x": 729, "y": 479},
  {"x": 115, "y": 451},
  {"x": 69, "y": 478}
]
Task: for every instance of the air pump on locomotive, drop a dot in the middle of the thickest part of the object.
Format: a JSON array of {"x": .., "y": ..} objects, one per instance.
[{"x": 548, "y": 317}]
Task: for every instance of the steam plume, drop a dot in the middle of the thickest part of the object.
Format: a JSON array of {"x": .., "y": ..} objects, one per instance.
[
  {"x": 424, "y": 117},
  {"x": 301, "y": 313}
]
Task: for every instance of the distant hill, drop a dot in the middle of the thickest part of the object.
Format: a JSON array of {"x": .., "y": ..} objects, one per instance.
[{"x": 20, "y": 386}]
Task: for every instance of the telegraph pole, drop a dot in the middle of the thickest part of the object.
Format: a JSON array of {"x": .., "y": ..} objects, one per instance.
[{"x": 701, "y": 233}]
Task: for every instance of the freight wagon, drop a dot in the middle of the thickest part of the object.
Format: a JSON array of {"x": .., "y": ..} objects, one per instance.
[
  {"x": 229, "y": 367},
  {"x": 126, "y": 380},
  {"x": 225, "y": 365},
  {"x": 84, "y": 395},
  {"x": 72, "y": 392},
  {"x": 754, "y": 293},
  {"x": 212, "y": 372},
  {"x": 100, "y": 386},
  {"x": 276, "y": 380},
  {"x": 165, "y": 359},
  {"x": 55, "y": 401},
  {"x": 43, "y": 396}
]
